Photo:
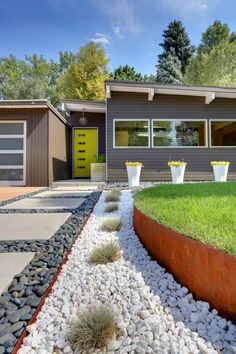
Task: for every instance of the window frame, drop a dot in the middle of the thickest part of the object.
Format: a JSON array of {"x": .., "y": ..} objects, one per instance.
[
  {"x": 131, "y": 120},
  {"x": 183, "y": 146},
  {"x": 23, "y": 151},
  {"x": 219, "y": 120}
]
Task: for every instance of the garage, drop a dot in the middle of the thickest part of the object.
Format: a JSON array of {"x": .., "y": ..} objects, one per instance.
[
  {"x": 34, "y": 143},
  {"x": 12, "y": 152}
]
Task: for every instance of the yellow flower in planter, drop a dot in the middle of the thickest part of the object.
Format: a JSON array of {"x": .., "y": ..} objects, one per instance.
[
  {"x": 176, "y": 163},
  {"x": 220, "y": 163},
  {"x": 130, "y": 163}
]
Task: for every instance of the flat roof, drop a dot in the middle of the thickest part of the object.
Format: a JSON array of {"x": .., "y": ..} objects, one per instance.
[
  {"x": 169, "y": 86},
  {"x": 37, "y": 103},
  {"x": 83, "y": 105},
  {"x": 155, "y": 88}
]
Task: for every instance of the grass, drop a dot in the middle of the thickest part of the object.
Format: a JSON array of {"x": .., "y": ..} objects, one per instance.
[
  {"x": 94, "y": 329},
  {"x": 111, "y": 207},
  {"x": 202, "y": 211},
  {"x": 113, "y": 196},
  {"x": 111, "y": 224},
  {"x": 106, "y": 253}
]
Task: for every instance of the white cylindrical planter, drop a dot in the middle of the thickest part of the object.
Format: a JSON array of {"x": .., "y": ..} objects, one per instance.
[
  {"x": 133, "y": 175},
  {"x": 177, "y": 173},
  {"x": 221, "y": 172}
]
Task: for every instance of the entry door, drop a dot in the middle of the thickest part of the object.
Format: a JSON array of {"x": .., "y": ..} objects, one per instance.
[
  {"x": 12, "y": 152},
  {"x": 85, "y": 151}
]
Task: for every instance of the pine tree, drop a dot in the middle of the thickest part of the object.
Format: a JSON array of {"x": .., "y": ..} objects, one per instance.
[
  {"x": 169, "y": 69},
  {"x": 176, "y": 39}
]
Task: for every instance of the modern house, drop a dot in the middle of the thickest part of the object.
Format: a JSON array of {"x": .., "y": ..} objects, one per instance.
[{"x": 147, "y": 122}]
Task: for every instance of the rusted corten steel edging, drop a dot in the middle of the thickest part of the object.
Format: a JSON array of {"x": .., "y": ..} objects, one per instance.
[{"x": 208, "y": 273}]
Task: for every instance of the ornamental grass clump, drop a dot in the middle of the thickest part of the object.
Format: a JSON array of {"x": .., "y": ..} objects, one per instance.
[
  {"x": 113, "y": 196},
  {"x": 106, "y": 253},
  {"x": 94, "y": 329},
  {"x": 111, "y": 224},
  {"x": 111, "y": 207}
]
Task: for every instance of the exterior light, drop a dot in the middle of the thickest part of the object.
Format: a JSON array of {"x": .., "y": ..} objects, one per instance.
[{"x": 83, "y": 120}]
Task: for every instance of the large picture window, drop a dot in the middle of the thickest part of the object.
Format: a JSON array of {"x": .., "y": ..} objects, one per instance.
[
  {"x": 131, "y": 133},
  {"x": 179, "y": 133},
  {"x": 223, "y": 133}
]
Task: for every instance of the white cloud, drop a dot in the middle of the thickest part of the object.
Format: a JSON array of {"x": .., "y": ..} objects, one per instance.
[
  {"x": 188, "y": 8},
  {"x": 122, "y": 14},
  {"x": 117, "y": 32},
  {"x": 101, "y": 38}
]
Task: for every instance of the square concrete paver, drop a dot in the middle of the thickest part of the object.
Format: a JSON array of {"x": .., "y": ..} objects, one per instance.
[
  {"x": 30, "y": 226},
  {"x": 45, "y": 203},
  {"x": 12, "y": 264},
  {"x": 61, "y": 194},
  {"x": 76, "y": 188}
]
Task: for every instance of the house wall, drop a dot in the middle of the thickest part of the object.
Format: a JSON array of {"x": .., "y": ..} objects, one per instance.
[
  {"x": 58, "y": 153},
  {"x": 36, "y": 144},
  {"x": 95, "y": 120},
  {"x": 123, "y": 105}
]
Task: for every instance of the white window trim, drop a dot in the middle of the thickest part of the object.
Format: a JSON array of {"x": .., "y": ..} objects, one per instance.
[
  {"x": 215, "y": 146},
  {"x": 181, "y": 147},
  {"x": 131, "y": 120},
  {"x": 23, "y": 167}
]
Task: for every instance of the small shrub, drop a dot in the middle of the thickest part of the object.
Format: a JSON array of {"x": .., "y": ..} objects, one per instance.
[
  {"x": 113, "y": 196},
  {"x": 111, "y": 224},
  {"x": 111, "y": 207},
  {"x": 94, "y": 329},
  {"x": 109, "y": 252}
]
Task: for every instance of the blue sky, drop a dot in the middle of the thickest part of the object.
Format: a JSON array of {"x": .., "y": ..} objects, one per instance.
[{"x": 130, "y": 30}]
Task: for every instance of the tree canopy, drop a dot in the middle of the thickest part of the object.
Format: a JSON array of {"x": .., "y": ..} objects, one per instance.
[
  {"x": 169, "y": 70},
  {"x": 84, "y": 78},
  {"x": 215, "y": 61},
  {"x": 176, "y": 41},
  {"x": 126, "y": 73}
]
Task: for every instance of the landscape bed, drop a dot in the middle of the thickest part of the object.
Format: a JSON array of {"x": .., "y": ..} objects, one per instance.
[
  {"x": 202, "y": 211},
  {"x": 189, "y": 229}
]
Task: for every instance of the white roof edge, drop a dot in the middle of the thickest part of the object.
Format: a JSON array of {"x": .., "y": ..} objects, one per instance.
[
  {"x": 76, "y": 106},
  {"x": 33, "y": 103},
  {"x": 209, "y": 93}
]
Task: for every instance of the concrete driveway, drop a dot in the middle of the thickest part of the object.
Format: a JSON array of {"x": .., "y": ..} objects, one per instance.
[{"x": 12, "y": 192}]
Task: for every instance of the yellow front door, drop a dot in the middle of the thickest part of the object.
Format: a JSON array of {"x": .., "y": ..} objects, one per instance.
[{"x": 85, "y": 151}]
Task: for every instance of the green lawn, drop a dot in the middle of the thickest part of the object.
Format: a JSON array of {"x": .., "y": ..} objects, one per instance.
[{"x": 202, "y": 211}]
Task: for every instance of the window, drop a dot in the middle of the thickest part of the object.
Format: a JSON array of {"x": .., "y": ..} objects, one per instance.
[
  {"x": 12, "y": 152},
  {"x": 131, "y": 133},
  {"x": 223, "y": 133},
  {"x": 179, "y": 133}
]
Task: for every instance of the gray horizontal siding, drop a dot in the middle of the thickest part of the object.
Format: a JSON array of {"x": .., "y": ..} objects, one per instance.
[{"x": 136, "y": 106}]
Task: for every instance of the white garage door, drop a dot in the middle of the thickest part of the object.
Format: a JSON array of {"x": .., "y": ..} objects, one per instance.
[{"x": 12, "y": 152}]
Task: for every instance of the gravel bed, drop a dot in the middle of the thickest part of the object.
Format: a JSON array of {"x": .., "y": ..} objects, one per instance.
[
  {"x": 154, "y": 313},
  {"x": 18, "y": 304}
]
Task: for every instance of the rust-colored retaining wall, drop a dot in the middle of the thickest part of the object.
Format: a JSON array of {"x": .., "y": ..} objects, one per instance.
[{"x": 208, "y": 273}]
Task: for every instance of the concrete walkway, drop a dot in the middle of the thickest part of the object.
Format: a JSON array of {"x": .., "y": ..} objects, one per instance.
[
  {"x": 30, "y": 226},
  {"x": 48, "y": 210},
  {"x": 11, "y": 264}
]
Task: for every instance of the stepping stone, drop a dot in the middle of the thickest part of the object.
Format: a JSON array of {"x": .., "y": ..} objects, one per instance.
[
  {"x": 12, "y": 264},
  {"x": 61, "y": 194},
  {"x": 84, "y": 188},
  {"x": 30, "y": 226},
  {"x": 45, "y": 203}
]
